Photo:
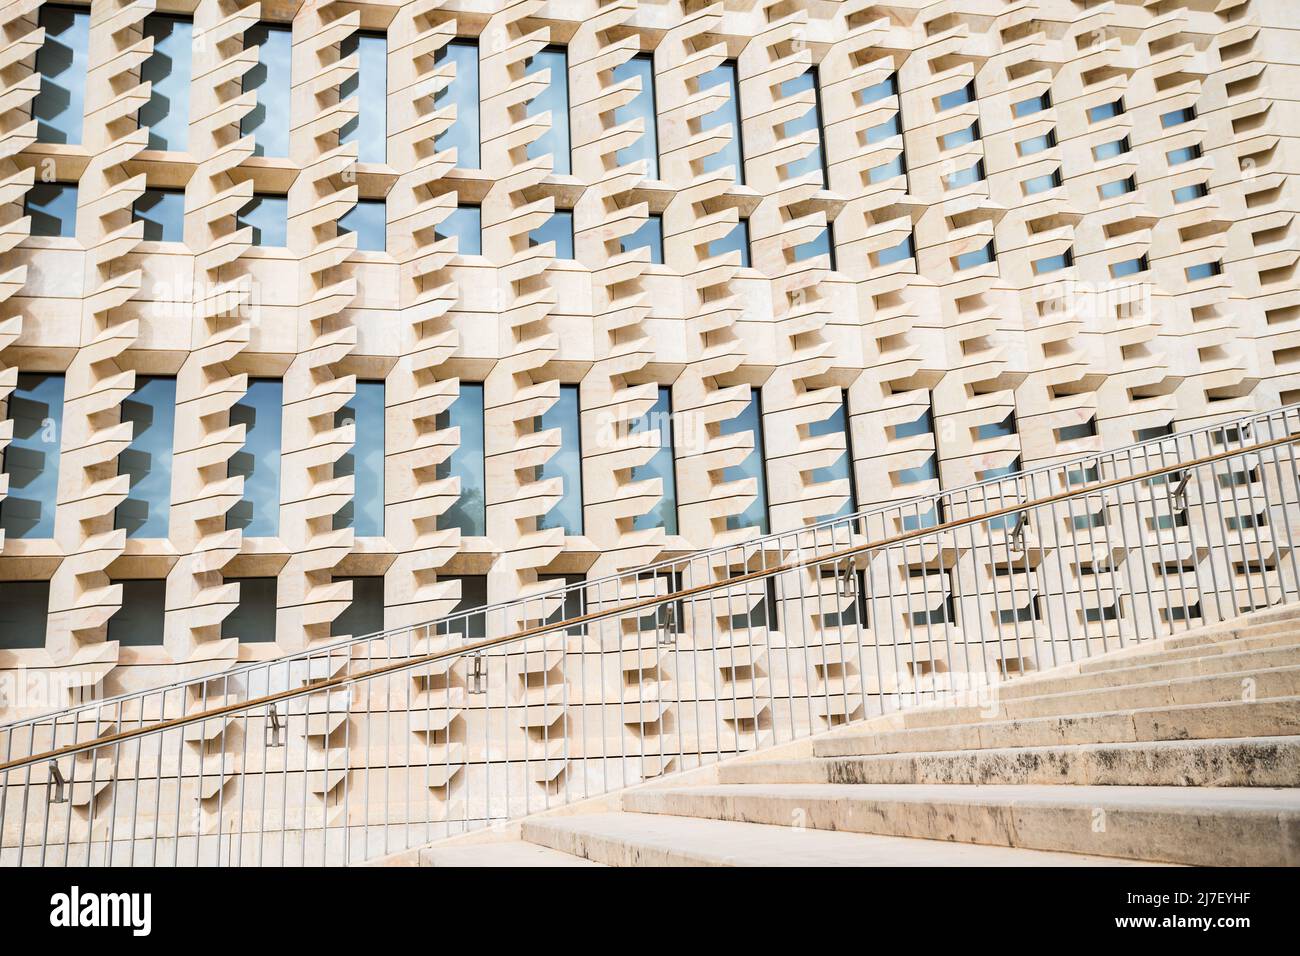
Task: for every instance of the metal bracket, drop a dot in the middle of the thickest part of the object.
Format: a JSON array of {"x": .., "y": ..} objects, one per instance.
[
  {"x": 1017, "y": 538},
  {"x": 1178, "y": 497},
  {"x": 477, "y": 675},
  {"x": 273, "y": 730},
  {"x": 666, "y": 624},
  {"x": 60, "y": 784},
  {"x": 847, "y": 577}
]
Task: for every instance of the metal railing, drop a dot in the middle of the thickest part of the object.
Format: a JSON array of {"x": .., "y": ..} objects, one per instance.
[{"x": 386, "y": 742}]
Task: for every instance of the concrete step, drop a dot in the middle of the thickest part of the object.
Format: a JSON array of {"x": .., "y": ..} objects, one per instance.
[
  {"x": 1251, "y": 762},
  {"x": 1214, "y": 688},
  {"x": 639, "y": 839},
  {"x": 1203, "y": 827},
  {"x": 1276, "y": 717},
  {"x": 1256, "y": 638},
  {"x": 506, "y": 853}
]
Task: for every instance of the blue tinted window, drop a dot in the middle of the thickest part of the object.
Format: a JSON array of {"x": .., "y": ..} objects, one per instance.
[
  {"x": 1188, "y": 193},
  {"x": 822, "y": 245},
  {"x": 842, "y": 467},
  {"x": 253, "y": 619},
  {"x": 1118, "y": 188},
  {"x": 998, "y": 429},
  {"x": 61, "y": 63},
  {"x": 642, "y": 107},
  {"x": 810, "y": 121},
  {"x": 732, "y": 153},
  {"x": 886, "y": 170},
  {"x": 53, "y": 209},
  {"x": 964, "y": 177},
  {"x": 163, "y": 213},
  {"x": 923, "y": 424},
  {"x": 139, "y": 621},
  {"x": 462, "y": 135},
  {"x": 268, "y": 121},
  {"x": 260, "y": 411},
  {"x": 1177, "y": 157},
  {"x": 953, "y": 140},
  {"x": 1128, "y": 267},
  {"x": 957, "y": 97},
  {"x": 369, "y": 128},
  {"x": 650, "y": 235},
  {"x": 1073, "y": 432},
  {"x": 566, "y": 463},
  {"x": 32, "y": 458},
  {"x": 465, "y": 224},
  {"x": 906, "y": 249},
  {"x": 735, "y": 241},
  {"x": 1040, "y": 184},
  {"x": 365, "y": 615},
  {"x": 1035, "y": 104},
  {"x": 151, "y": 410},
  {"x": 559, "y": 230},
  {"x": 878, "y": 91},
  {"x": 754, "y": 466},
  {"x": 662, "y": 465},
  {"x": 1053, "y": 263},
  {"x": 167, "y": 114},
  {"x": 968, "y": 260},
  {"x": 364, "y": 514},
  {"x": 1203, "y": 271},
  {"x": 928, "y": 470},
  {"x": 24, "y": 609},
  {"x": 1036, "y": 144},
  {"x": 1110, "y": 150},
  {"x": 554, "y": 100},
  {"x": 469, "y": 513},
  {"x": 883, "y": 131},
  {"x": 1177, "y": 117},
  {"x": 369, "y": 220},
  {"x": 1105, "y": 111},
  {"x": 269, "y": 218}
]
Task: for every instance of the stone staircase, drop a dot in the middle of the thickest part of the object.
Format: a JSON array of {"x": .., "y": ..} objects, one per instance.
[{"x": 1185, "y": 750}]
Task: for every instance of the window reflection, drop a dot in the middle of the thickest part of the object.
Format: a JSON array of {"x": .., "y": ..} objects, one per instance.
[
  {"x": 167, "y": 70},
  {"x": 61, "y": 63},
  {"x": 257, "y": 513},
  {"x": 842, "y": 468},
  {"x": 364, "y": 514},
  {"x": 554, "y": 100},
  {"x": 732, "y": 153},
  {"x": 661, "y": 465},
  {"x": 469, "y": 513},
  {"x": 642, "y": 107},
  {"x": 749, "y": 420},
  {"x": 151, "y": 410},
  {"x": 566, "y": 463},
  {"x": 268, "y": 121},
  {"x": 462, "y": 93},
  {"x": 369, "y": 128},
  {"x": 31, "y": 460}
]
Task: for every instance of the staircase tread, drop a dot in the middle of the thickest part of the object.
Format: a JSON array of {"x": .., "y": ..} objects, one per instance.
[
  {"x": 731, "y": 843},
  {"x": 504, "y": 853},
  {"x": 1205, "y": 742}
]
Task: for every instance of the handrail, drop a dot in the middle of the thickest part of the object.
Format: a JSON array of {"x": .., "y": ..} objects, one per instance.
[{"x": 623, "y": 610}]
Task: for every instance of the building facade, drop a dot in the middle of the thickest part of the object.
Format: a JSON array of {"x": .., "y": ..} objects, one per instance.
[{"x": 326, "y": 317}]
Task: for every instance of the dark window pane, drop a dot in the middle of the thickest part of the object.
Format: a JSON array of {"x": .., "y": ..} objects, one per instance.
[
  {"x": 163, "y": 213},
  {"x": 465, "y": 224},
  {"x": 572, "y": 605},
  {"x": 151, "y": 410},
  {"x": 365, "y": 615},
  {"x": 732, "y": 153},
  {"x": 269, "y": 218},
  {"x": 469, "y": 513},
  {"x": 369, "y": 220},
  {"x": 842, "y": 467},
  {"x": 253, "y": 619},
  {"x": 650, "y": 236},
  {"x": 565, "y": 464},
  {"x": 369, "y": 128},
  {"x": 473, "y": 594},
  {"x": 559, "y": 230},
  {"x": 554, "y": 100},
  {"x": 257, "y": 514},
  {"x": 642, "y": 107},
  {"x": 53, "y": 208},
  {"x": 139, "y": 622},
  {"x": 268, "y": 121},
  {"x": 659, "y": 419},
  {"x": 463, "y": 134},
  {"x": 32, "y": 458},
  {"x": 167, "y": 114},
  {"x": 24, "y": 609},
  {"x": 364, "y": 514},
  {"x": 754, "y": 466},
  {"x": 61, "y": 63}
]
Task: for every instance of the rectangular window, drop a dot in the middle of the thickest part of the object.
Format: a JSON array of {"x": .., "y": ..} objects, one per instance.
[
  {"x": 1177, "y": 117},
  {"x": 642, "y": 107},
  {"x": 163, "y": 213},
  {"x": 465, "y": 225},
  {"x": 662, "y": 464},
  {"x": 151, "y": 410},
  {"x": 964, "y": 177},
  {"x": 473, "y": 595},
  {"x": 31, "y": 460},
  {"x": 1040, "y": 184},
  {"x": 650, "y": 235},
  {"x": 959, "y": 138},
  {"x": 462, "y": 93},
  {"x": 1035, "y": 104},
  {"x": 1188, "y": 193},
  {"x": 260, "y": 411},
  {"x": 572, "y": 605},
  {"x": 754, "y": 466},
  {"x": 1086, "y": 429},
  {"x": 52, "y": 208},
  {"x": 732, "y": 154},
  {"x": 669, "y": 617},
  {"x": 554, "y": 100},
  {"x": 1203, "y": 271},
  {"x": 139, "y": 621},
  {"x": 565, "y": 464},
  {"x": 559, "y": 230},
  {"x": 61, "y": 62},
  {"x": 921, "y": 425},
  {"x": 842, "y": 467},
  {"x": 268, "y": 216},
  {"x": 268, "y": 121},
  {"x": 369, "y": 128},
  {"x": 878, "y": 91},
  {"x": 889, "y": 170},
  {"x": 957, "y": 97},
  {"x": 365, "y": 615},
  {"x": 1176, "y": 157},
  {"x": 1105, "y": 111},
  {"x": 889, "y": 128},
  {"x": 167, "y": 71},
  {"x": 735, "y": 241},
  {"x": 364, "y": 514},
  {"x": 469, "y": 513},
  {"x": 1128, "y": 267},
  {"x": 24, "y": 609},
  {"x": 1053, "y": 263},
  {"x": 1036, "y": 144},
  {"x": 999, "y": 429},
  {"x": 1119, "y": 187},
  {"x": 906, "y": 249},
  {"x": 369, "y": 220},
  {"x": 979, "y": 257},
  {"x": 810, "y": 121},
  {"x": 253, "y": 619},
  {"x": 822, "y": 245},
  {"x": 928, "y": 470},
  {"x": 1111, "y": 150}
]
